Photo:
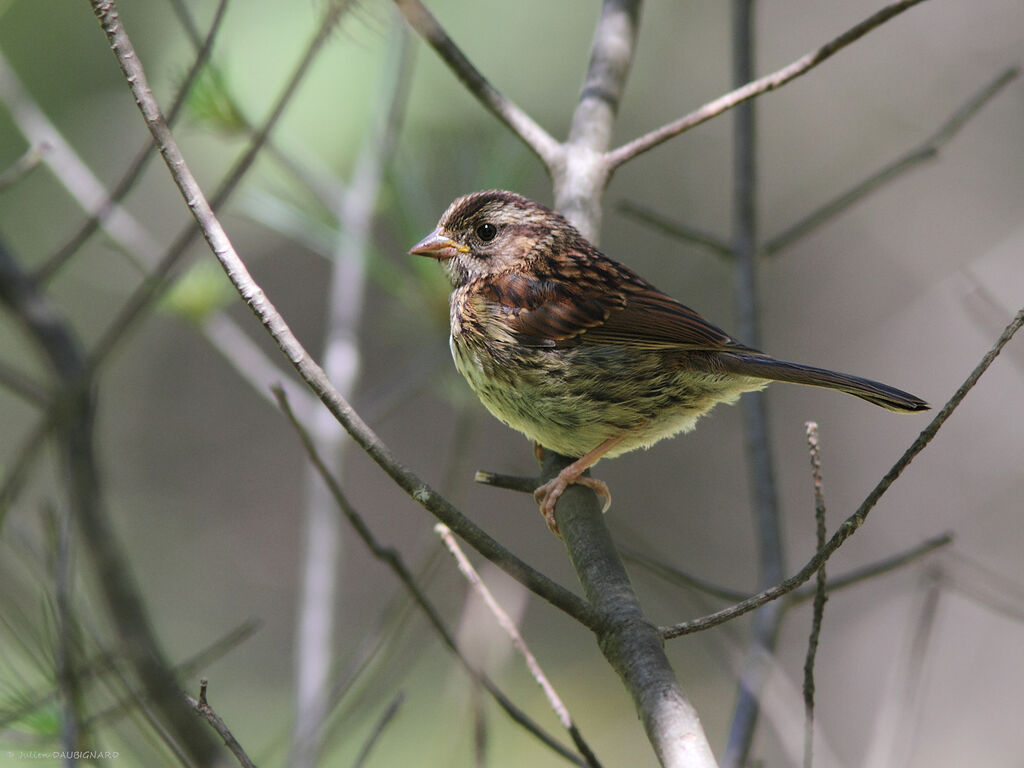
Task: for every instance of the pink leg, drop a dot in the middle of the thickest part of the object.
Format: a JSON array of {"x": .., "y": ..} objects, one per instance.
[{"x": 548, "y": 493}]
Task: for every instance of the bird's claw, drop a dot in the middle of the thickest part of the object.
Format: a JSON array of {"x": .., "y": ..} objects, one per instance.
[{"x": 548, "y": 494}]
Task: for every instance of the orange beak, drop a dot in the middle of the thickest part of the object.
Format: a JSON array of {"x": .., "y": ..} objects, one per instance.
[{"x": 437, "y": 245}]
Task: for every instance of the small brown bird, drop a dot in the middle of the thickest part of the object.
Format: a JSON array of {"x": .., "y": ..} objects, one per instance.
[{"x": 582, "y": 355}]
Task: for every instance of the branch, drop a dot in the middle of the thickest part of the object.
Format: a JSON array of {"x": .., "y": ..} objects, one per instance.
[
  {"x": 854, "y": 521},
  {"x": 23, "y": 166},
  {"x": 628, "y": 640},
  {"x": 927, "y": 150},
  {"x": 819, "y": 595},
  {"x": 756, "y": 88},
  {"x": 674, "y": 229},
  {"x": 580, "y": 179},
  {"x": 204, "y": 710},
  {"x": 521, "y": 124}
]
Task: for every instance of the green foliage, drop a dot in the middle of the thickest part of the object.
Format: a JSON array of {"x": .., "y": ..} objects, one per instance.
[{"x": 201, "y": 290}]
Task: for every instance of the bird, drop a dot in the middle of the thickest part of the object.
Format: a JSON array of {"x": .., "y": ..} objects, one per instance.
[{"x": 581, "y": 354}]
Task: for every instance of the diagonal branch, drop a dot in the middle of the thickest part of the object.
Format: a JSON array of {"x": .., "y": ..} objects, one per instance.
[
  {"x": 521, "y": 124},
  {"x": 756, "y": 88}
]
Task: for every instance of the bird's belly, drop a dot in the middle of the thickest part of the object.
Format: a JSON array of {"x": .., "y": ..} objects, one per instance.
[{"x": 571, "y": 400}]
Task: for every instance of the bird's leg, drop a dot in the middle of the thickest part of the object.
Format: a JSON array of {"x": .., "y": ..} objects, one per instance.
[{"x": 548, "y": 493}]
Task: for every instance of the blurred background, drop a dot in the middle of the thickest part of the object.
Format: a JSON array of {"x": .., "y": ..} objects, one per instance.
[{"x": 207, "y": 484}]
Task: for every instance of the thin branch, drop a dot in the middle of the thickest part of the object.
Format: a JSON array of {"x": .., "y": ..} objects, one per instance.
[
  {"x": 819, "y": 594},
  {"x": 23, "y": 385},
  {"x": 505, "y": 622},
  {"x": 393, "y": 560},
  {"x": 854, "y": 521},
  {"x": 508, "y": 482},
  {"x": 927, "y": 150},
  {"x": 756, "y": 88},
  {"x": 674, "y": 229},
  {"x": 205, "y": 711},
  {"x": 626, "y": 637},
  {"x": 676, "y": 576},
  {"x": 386, "y": 718},
  {"x": 23, "y": 166},
  {"x": 521, "y": 124}
]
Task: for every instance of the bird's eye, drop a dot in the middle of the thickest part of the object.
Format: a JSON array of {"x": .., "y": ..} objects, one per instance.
[{"x": 486, "y": 232}]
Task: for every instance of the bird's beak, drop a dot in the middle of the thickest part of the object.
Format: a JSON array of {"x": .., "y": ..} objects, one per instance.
[{"x": 438, "y": 246}]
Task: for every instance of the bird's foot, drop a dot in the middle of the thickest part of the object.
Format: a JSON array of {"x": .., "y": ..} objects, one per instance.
[{"x": 547, "y": 495}]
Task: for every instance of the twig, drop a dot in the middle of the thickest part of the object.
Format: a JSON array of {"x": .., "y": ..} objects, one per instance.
[
  {"x": 23, "y": 166},
  {"x": 756, "y": 88},
  {"x": 394, "y": 561},
  {"x": 505, "y": 622},
  {"x": 508, "y": 482},
  {"x": 675, "y": 229},
  {"x": 23, "y": 385},
  {"x": 819, "y": 595},
  {"x": 204, "y": 710},
  {"x": 854, "y": 521},
  {"x": 677, "y": 576},
  {"x": 521, "y": 124},
  {"x": 927, "y": 150},
  {"x": 382, "y": 723}
]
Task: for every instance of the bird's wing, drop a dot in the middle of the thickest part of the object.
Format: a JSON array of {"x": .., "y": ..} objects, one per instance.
[{"x": 616, "y": 308}]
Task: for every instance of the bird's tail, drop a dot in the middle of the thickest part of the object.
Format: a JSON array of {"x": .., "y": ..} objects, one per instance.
[{"x": 778, "y": 370}]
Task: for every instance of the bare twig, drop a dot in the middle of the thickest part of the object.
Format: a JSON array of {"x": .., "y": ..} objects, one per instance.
[
  {"x": 23, "y": 166},
  {"x": 674, "y": 229},
  {"x": 927, "y": 150},
  {"x": 23, "y": 385},
  {"x": 394, "y": 561},
  {"x": 204, "y": 710},
  {"x": 505, "y": 621},
  {"x": 508, "y": 482},
  {"x": 850, "y": 525},
  {"x": 819, "y": 595},
  {"x": 386, "y": 718},
  {"x": 756, "y": 88},
  {"x": 521, "y": 124}
]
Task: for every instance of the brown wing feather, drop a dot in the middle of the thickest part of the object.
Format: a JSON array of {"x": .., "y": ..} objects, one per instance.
[{"x": 612, "y": 305}]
